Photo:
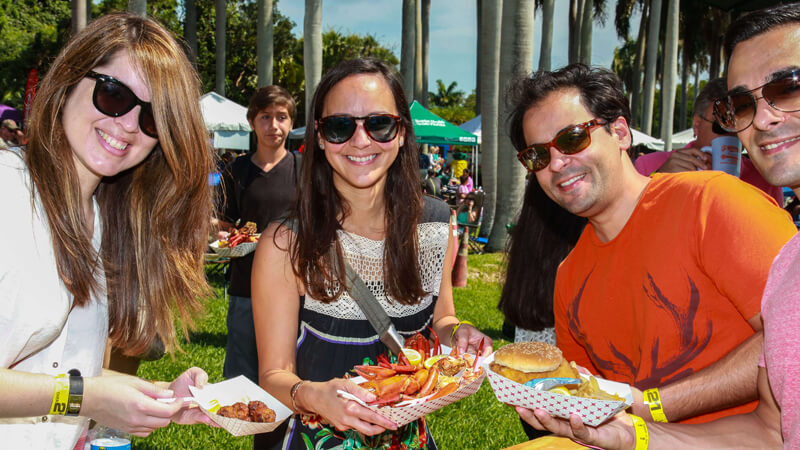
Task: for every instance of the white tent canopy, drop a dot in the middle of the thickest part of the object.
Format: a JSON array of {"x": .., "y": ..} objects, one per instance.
[
  {"x": 473, "y": 126},
  {"x": 227, "y": 120}
]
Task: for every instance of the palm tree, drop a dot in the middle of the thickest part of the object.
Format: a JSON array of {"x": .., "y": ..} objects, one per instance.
[
  {"x": 135, "y": 6},
  {"x": 585, "y": 52},
  {"x": 312, "y": 50},
  {"x": 408, "y": 46},
  {"x": 78, "y": 16},
  {"x": 651, "y": 55},
  {"x": 547, "y": 35},
  {"x": 190, "y": 28},
  {"x": 669, "y": 81},
  {"x": 426, "y": 19},
  {"x": 446, "y": 96},
  {"x": 575, "y": 23},
  {"x": 478, "y": 66},
  {"x": 641, "y": 43},
  {"x": 516, "y": 59},
  {"x": 490, "y": 96},
  {"x": 264, "y": 37},
  {"x": 220, "y": 37}
]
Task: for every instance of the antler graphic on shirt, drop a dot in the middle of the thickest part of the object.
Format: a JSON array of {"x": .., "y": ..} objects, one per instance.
[{"x": 690, "y": 344}]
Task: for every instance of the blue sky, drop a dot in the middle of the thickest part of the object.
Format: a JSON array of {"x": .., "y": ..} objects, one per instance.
[{"x": 453, "y": 34}]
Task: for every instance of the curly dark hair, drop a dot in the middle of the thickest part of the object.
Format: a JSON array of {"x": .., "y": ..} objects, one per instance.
[{"x": 600, "y": 89}]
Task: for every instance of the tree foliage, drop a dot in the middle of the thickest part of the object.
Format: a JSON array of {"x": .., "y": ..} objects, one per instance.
[{"x": 33, "y": 32}]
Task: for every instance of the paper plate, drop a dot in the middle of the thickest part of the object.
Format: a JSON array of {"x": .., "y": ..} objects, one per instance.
[{"x": 242, "y": 249}]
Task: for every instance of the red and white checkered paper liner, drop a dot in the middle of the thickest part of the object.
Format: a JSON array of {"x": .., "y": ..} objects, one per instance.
[
  {"x": 242, "y": 249},
  {"x": 593, "y": 412},
  {"x": 413, "y": 410},
  {"x": 238, "y": 389}
]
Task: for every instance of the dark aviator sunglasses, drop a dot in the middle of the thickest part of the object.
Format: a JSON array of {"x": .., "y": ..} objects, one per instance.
[
  {"x": 569, "y": 141},
  {"x": 112, "y": 98},
  {"x": 339, "y": 128},
  {"x": 736, "y": 111}
]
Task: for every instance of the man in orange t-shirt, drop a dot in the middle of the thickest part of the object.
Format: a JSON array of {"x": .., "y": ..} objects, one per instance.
[{"x": 663, "y": 288}]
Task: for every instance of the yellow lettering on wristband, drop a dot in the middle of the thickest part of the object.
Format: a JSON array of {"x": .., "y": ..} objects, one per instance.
[
  {"x": 652, "y": 399},
  {"x": 642, "y": 435},
  {"x": 455, "y": 328},
  {"x": 60, "y": 395}
]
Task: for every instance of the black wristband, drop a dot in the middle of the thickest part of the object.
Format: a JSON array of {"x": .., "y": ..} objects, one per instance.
[{"x": 75, "y": 398}]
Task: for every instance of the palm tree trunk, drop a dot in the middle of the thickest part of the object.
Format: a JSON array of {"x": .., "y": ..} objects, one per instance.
[
  {"x": 220, "y": 38},
  {"x": 418, "y": 51},
  {"x": 264, "y": 42},
  {"x": 684, "y": 89},
  {"x": 586, "y": 33},
  {"x": 426, "y": 37},
  {"x": 696, "y": 80},
  {"x": 88, "y": 11},
  {"x": 575, "y": 22},
  {"x": 651, "y": 56},
  {"x": 636, "y": 101},
  {"x": 190, "y": 29},
  {"x": 407, "y": 46},
  {"x": 312, "y": 50},
  {"x": 478, "y": 67},
  {"x": 78, "y": 16},
  {"x": 137, "y": 7},
  {"x": 516, "y": 59},
  {"x": 545, "y": 53},
  {"x": 490, "y": 63},
  {"x": 670, "y": 72}
]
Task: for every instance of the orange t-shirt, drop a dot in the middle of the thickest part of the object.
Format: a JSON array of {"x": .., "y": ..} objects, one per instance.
[{"x": 671, "y": 293}]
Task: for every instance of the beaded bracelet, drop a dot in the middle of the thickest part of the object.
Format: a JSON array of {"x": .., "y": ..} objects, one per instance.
[{"x": 293, "y": 393}]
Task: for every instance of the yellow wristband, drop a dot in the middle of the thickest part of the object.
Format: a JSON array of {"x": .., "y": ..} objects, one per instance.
[
  {"x": 642, "y": 436},
  {"x": 60, "y": 395},
  {"x": 455, "y": 328},
  {"x": 652, "y": 399}
]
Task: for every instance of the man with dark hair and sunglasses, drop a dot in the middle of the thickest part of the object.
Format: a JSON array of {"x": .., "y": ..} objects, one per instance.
[
  {"x": 706, "y": 130},
  {"x": 764, "y": 58},
  {"x": 661, "y": 290},
  {"x": 259, "y": 187}
]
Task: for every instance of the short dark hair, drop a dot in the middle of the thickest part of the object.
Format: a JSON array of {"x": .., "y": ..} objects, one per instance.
[
  {"x": 600, "y": 90},
  {"x": 267, "y": 96},
  {"x": 713, "y": 90},
  {"x": 758, "y": 22}
]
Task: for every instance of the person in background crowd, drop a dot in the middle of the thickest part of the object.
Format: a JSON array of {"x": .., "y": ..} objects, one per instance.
[
  {"x": 361, "y": 202},
  {"x": 10, "y": 134},
  {"x": 763, "y": 64},
  {"x": 655, "y": 251},
  {"x": 110, "y": 204},
  {"x": 692, "y": 158},
  {"x": 259, "y": 187}
]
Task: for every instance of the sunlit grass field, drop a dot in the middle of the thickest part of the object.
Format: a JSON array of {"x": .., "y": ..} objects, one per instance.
[{"x": 476, "y": 422}]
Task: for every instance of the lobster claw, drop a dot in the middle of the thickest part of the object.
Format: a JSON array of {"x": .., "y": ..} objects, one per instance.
[{"x": 374, "y": 372}]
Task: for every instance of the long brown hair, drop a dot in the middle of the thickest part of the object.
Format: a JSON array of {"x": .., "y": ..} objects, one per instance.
[
  {"x": 320, "y": 209},
  {"x": 155, "y": 215}
]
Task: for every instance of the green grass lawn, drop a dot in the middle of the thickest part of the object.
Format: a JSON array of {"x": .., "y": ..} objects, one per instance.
[{"x": 476, "y": 422}]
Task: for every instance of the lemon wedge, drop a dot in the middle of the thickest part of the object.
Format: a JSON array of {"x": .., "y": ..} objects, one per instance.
[
  {"x": 560, "y": 390},
  {"x": 414, "y": 357},
  {"x": 432, "y": 360}
]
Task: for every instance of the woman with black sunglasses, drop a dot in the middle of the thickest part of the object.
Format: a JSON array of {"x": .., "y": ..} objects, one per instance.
[
  {"x": 109, "y": 205},
  {"x": 359, "y": 201}
]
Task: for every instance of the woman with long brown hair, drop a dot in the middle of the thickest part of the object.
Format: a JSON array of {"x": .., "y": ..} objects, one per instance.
[
  {"x": 109, "y": 206},
  {"x": 359, "y": 200}
]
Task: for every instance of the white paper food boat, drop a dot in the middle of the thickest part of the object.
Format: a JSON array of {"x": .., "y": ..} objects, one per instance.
[
  {"x": 240, "y": 250},
  {"x": 411, "y": 410},
  {"x": 593, "y": 412},
  {"x": 239, "y": 389}
]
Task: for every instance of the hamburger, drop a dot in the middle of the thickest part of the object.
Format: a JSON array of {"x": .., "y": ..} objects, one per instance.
[{"x": 525, "y": 361}]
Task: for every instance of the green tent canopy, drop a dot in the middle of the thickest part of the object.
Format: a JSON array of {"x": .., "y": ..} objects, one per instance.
[{"x": 432, "y": 129}]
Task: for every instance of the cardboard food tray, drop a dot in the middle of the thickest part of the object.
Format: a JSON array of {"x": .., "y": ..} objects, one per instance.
[
  {"x": 242, "y": 249},
  {"x": 412, "y": 410},
  {"x": 239, "y": 389},
  {"x": 593, "y": 412}
]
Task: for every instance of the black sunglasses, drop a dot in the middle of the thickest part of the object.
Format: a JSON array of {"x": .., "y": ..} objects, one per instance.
[
  {"x": 340, "y": 128},
  {"x": 112, "y": 98},
  {"x": 569, "y": 141},
  {"x": 715, "y": 128},
  {"x": 736, "y": 111}
]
